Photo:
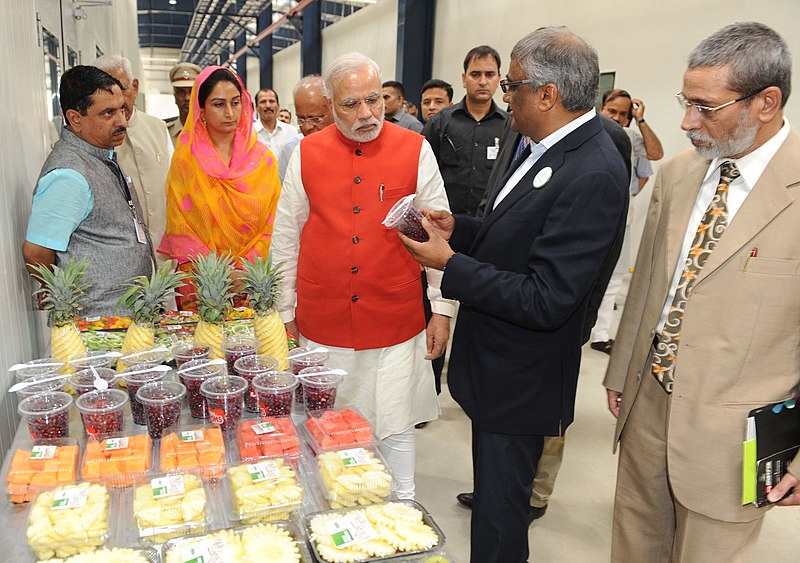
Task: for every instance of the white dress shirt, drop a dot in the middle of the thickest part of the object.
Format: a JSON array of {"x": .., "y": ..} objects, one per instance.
[
  {"x": 282, "y": 134},
  {"x": 751, "y": 166}
]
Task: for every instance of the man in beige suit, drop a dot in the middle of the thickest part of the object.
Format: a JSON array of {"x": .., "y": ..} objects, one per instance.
[
  {"x": 710, "y": 324},
  {"x": 146, "y": 153}
]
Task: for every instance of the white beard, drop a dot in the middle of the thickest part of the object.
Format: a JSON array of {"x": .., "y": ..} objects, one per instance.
[
  {"x": 738, "y": 141},
  {"x": 352, "y": 133}
]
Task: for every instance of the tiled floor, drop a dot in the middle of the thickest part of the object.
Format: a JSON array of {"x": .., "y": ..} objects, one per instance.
[{"x": 577, "y": 526}]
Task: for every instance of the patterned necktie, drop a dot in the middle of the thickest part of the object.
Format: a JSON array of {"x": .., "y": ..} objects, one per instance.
[{"x": 705, "y": 240}]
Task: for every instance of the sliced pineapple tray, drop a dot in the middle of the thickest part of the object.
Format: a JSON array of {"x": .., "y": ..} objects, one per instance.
[
  {"x": 275, "y": 542},
  {"x": 114, "y": 555},
  {"x": 373, "y": 533},
  {"x": 169, "y": 506},
  {"x": 353, "y": 477},
  {"x": 265, "y": 491}
]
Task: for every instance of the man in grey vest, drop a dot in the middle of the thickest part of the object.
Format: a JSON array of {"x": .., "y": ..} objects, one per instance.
[{"x": 83, "y": 206}]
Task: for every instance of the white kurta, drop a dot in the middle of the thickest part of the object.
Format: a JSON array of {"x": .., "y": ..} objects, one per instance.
[{"x": 393, "y": 387}]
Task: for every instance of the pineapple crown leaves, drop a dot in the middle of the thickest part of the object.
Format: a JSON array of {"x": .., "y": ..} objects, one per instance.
[
  {"x": 145, "y": 296},
  {"x": 262, "y": 282},
  {"x": 63, "y": 289},
  {"x": 213, "y": 276}
]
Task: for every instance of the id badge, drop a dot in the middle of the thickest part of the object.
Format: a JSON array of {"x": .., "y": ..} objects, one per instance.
[
  {"x": 491, "y": 152},
  {"x": 141, "y": 236}
]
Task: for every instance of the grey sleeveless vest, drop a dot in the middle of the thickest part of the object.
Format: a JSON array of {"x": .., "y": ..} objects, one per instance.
[{"x": 107, "y": 237}]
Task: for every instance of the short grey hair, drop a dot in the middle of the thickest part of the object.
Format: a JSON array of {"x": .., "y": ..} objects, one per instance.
[
  {"x": 311, "y": 80},
  {"x": 756, "y": 55},
  {"x": 555, "y": 55},
  {"x": 346, "y": 64},
  {"x": 113, "y": 64}
]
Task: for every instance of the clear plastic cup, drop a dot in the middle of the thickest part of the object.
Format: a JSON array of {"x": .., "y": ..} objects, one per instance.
[
  {"x": 102, "y": 411},
  {"x": 319, "y": 390},
  {"x": 249, "y": 367},
  {"x": 134, "y": 383},
  {"x": 52, "y": 385},
  {"x": 187, "y": 351},
  {"x": 162, "y": 405},
  {"x": 83, "y": 381},
  {"x": 193, "y": 379},
  {"x": 47, "y": 414},
  {"x": 275, "y": 390},
  {"x": 302, "y": 358},
  {"x": 407, "y": 219},
  {"x": 42, "y": 366},
  {"x": 91, "y": 358},
  {"x": 225, "y": 397},
  {"x": 238, "y": 346},
  {"x": 144, "y": 356}
]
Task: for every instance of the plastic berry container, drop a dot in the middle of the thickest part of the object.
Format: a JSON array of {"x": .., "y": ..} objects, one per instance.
[
  {"x": 44, "y": 465},
  {"x": 238, "y": 346},
  {"x": 184, "y": 352},
  {"x": 162, "y": 405},
  {"x": 47, "y": 414},
  {"x": 193, "y": 377},
  {"x": 305, "y": 357},
  {"x": 266, "y": 438},
  {"x": 96, "y": 358},
  {"x": 117, "y": 459},
  {"x": 52, "y": 385},
  {"x": 250, "y": 367},
  {"x": 144, "y": 356},
  {"x": 169, "y": 506},
  {"x": 275, "y": 391},
  {"x": 319, "y": 388},
  {"x": 134, "y": 383},
  {"x": 40, "y": 367},
  {"x": 83, "y": 381},
  {"x": 264, "y": 491},
  {"x": 225, "y": 397},
  {"x": 102, "y": 411},
  {"x": 337, "y": 429},
  {"x": 194, "y": 448}
]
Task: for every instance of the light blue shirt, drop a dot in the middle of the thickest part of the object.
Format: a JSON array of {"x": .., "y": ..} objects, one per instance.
[{"x": 62, "y": 201}]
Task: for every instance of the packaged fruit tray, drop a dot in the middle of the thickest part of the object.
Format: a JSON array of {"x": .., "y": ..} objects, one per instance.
[
  {"x": 275, "y": 542},
  {"x": 45, "y": 464},
  {"x": 380, "y": 532},
  {"x": 354, "y": 477},
  {"x": 169, "y": 506},
  {"x": 116, "y": 555},
  {"x": 264, "y": 491},
  {"x": 68, "y": 520},
  {"x": 117, "y": 460},
  {"x": 267, "y": 437},
  {"x": 194, "y": 448},
  {"x": 337, "y": 429}
]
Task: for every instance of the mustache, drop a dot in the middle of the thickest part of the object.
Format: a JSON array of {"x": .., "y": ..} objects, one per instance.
[{"x": 120, "y": 130}]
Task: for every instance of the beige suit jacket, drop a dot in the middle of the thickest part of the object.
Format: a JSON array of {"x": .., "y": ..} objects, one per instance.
[{"x": 740, "y": 343}]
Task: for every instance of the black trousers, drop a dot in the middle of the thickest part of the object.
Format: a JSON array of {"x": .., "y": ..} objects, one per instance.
[
  {"x": 438, "y": 363},
  {"x": 504, "y": 466}
]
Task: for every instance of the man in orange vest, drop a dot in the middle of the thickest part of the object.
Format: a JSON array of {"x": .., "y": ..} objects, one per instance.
[{"x": 356, "y": 289}]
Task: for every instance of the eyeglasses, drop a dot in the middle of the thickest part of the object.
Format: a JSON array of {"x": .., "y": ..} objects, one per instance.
[
  {"x": 313, "y": 120},
  {"x": 706, "y": 110},
  {"x": 507, "y": 85},
  {"x": 372, "y": 100}
]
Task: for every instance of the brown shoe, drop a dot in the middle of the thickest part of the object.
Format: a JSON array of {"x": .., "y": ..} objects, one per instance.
[{"x": 605, "y": 347}]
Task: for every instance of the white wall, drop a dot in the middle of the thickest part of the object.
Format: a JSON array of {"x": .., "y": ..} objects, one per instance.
[{"x": 24, "y": 144}]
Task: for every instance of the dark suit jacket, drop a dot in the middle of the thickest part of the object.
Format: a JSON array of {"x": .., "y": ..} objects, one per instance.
[
  {"x": 523, "y": 275},
  {"x": 622, "y": 143}
]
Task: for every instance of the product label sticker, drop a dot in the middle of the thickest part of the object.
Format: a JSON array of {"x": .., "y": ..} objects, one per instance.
[
  {"x": 167, "y": 486},
  {"x": 491, "y": 152},
  {"x": 197, "y": 553},
  {"x": 70, "y": 498},
  {"x": 350, "y": 529},
  {"x": 192, "y": 436},
  {"x": 355, "y": 456},
  {"x": 263, "y": 428},
  {"x": 116, "y": 443},
  {"x": 264, "y": 471},
  {"x": 43, "y": 452},
  {"x": 217, "y": 416}
]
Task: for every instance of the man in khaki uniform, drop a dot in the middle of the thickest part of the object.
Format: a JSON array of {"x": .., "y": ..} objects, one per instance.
[
  {"x": 182, "y": 77},
  {"x": 146, "y": 152}
]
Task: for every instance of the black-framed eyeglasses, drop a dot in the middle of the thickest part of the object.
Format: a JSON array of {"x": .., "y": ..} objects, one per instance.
[
  {"x": 706, "y": 110},
  {"x": 507, "y": 85}
]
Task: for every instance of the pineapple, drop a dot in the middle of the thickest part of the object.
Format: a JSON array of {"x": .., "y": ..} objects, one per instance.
[
  {"x": 212, "y": 276},
  {"x": 145, "y": 300},
  {"x": 62, "y": 290},
  {"x": 262, "y": 283}
]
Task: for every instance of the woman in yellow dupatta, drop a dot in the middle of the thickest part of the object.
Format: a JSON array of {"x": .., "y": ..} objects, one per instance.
[{"x": 223, "y": 186}]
